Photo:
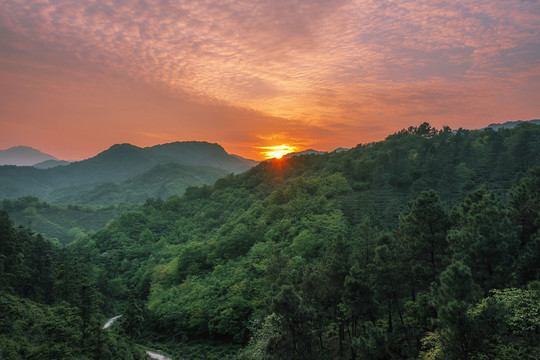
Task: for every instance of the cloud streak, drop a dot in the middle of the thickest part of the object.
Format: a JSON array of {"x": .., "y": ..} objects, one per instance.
[{"x": 307, "y": 64}]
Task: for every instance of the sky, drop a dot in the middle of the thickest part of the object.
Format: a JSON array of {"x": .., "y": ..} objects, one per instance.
[{"x": 77, "y": 76}]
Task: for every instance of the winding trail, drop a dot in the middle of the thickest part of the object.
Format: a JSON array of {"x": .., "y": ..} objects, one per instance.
[
  {"x": 152, "y": 354},
  {"x": 111, "y": 321},
  {"x": 157, "y": 356}
]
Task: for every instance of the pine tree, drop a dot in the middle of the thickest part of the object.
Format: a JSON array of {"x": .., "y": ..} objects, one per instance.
[
  {"x": 484, "y": 239},
  {"x": 422, "y": 233},
  {"x": 452, "y": 299}
]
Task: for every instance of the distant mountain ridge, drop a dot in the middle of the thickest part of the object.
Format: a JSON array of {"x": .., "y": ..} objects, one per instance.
[
  {"x": 313, "y": 152},
  {"x": 23, "y": 156},
  {"x": 304, "y": 152},
  {"x": 511, "y": 124},
  {"x": 206, "y": 162},
  {"x": 211, "y": 154},
  {"x": 161, "y": 181},
  {"x": 47, "y": 164}
]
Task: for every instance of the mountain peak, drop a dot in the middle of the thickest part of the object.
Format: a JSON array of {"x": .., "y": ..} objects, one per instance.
[
  {"x": 23, "y": 156},
  {"x": 511, "y": 124},
  {"x": 123, "y": 146},
  {"x": 22, "y": 148},
  {"x": 189, "y": 145},
  {"x": 305, "y": 152}
]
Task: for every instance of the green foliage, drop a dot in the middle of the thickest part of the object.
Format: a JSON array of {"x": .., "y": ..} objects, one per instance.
[
  {"x": 264, "y": 332},
  {"x": 504, "y": 325},
  {"x": 318, "y": 245},
  {"x": 423, "y": 235},
  {"x": 453, "y": 298},
  {"x": 63, "y": 222},
  {"x": 29, "y": 330},
  {"x": 345, "y": 255},
  {"x": 371, "y": 343},
  {"x": 161, "y": 181},
  {"x": 509, "y": 322},
  {"x": 50, "y": 301},
  {"x": 293, "y": 340},
  {"x": 524, "y": 206},
  {"x": 484, "y": 239}
]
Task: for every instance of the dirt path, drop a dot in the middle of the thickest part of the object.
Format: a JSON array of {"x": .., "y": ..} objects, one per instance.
[{"x": 157, "y": 356}]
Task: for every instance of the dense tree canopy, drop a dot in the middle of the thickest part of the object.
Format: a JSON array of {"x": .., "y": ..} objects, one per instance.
[{"x": 424, "y": 245}]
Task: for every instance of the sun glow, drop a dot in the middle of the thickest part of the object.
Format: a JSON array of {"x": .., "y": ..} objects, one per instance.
[{"x": 277, "y": 151}]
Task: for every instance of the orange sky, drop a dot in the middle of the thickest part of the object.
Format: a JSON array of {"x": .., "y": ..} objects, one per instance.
[{"x": 79, "y": 76}]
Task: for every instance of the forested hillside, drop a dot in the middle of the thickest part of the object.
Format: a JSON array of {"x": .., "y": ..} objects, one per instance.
[
  {"x": 161, "y": 181},
  {"x": 50, "y": 301},
  {"x": 422, "y": 246},
  {"x": 58, "y": 222}
]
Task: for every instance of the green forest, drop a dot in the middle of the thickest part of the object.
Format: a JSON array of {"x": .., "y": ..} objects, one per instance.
[{"x": 423, "y": 246}]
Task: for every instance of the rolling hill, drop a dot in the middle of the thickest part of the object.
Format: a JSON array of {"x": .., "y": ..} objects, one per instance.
[{"x": 201, "y": 162}]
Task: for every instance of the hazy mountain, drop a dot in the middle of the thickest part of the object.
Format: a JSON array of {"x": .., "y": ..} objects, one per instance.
[
  {"x": 314, "y": 152},
  {"x": 305, "y": 152},
  {"x": 246, "y": 162},
  {"x": 122, "y": 161},
  {"x": 512, "y": 124},
  {"x": 118, "y": 164},
  {"x": 200, "y": 154},
  {"x": 47, "y": 164},
  {"x": 340, "y": 149},
  {"x": 23, "y": 156},
  {"x": 161, "y": 181}
]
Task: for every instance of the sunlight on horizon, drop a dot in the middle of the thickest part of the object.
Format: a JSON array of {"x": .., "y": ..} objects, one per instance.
[{"x": 276, "y": 151}]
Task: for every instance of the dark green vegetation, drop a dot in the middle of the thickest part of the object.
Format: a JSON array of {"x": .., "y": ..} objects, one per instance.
[
  {"x": 425, "y": 245},
  {"x": 124, "y": 173},
  {"x": 64, "y": 223},
  {"x": 160, "y": 181},
  {"x": 51, "y": 303},
  {"x": 50, "y": 164}
]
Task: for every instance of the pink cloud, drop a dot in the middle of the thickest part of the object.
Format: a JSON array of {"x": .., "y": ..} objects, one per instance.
[{"x": 289, "y": 66}]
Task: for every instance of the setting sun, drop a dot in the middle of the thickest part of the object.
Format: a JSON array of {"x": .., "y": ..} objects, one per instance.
[{"x": 277, "y": 151}]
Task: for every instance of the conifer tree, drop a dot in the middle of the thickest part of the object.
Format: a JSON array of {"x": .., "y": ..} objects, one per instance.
[
  {"x": 452, "y": 299},
  {"x": 484, "y": 239},
  {"x": 423, "y": 237}
]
